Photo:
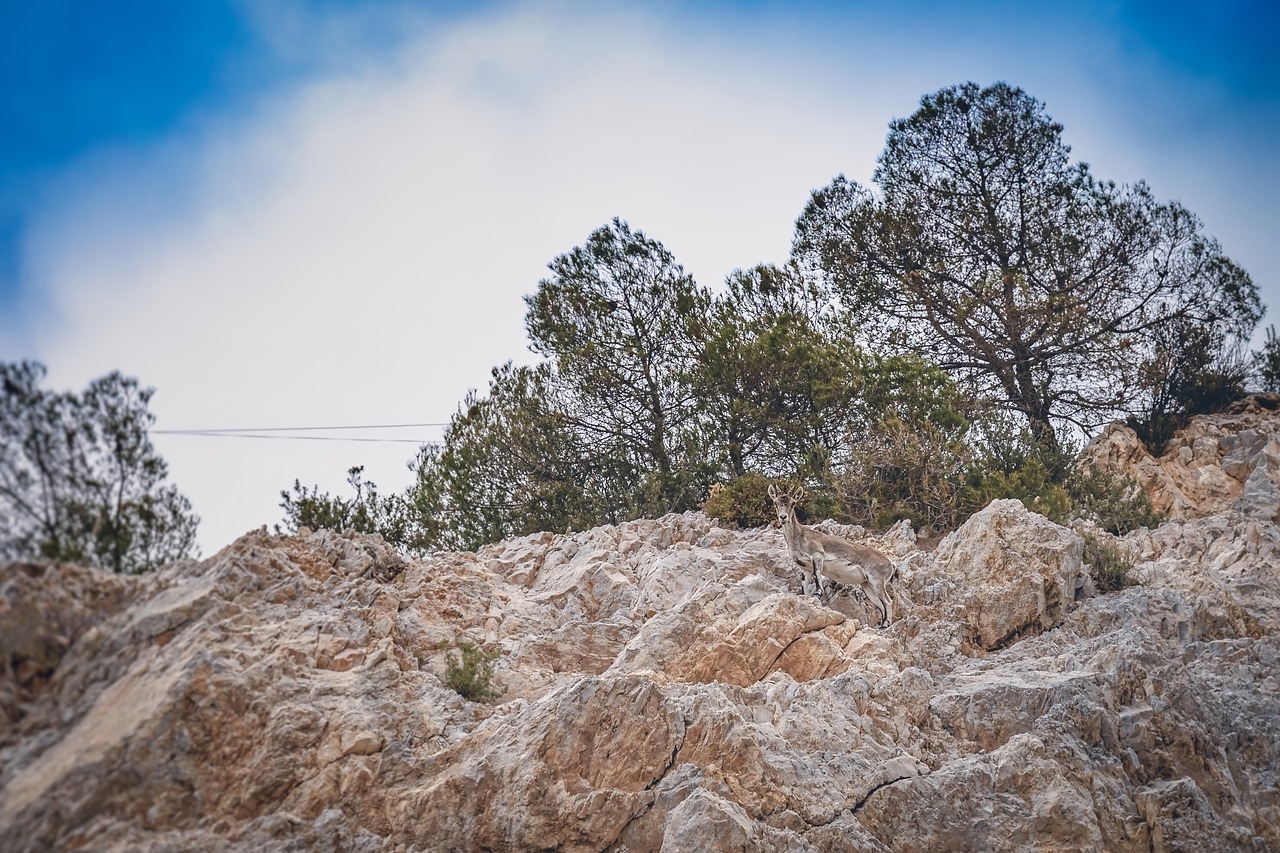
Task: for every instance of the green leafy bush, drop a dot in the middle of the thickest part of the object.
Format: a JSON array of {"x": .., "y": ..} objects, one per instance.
[
  {"x": 744, "y": 502},
  {"x": 1196, "y": 368},
  {"x": 1266, "y": 363},
  {"x": 1032, "y": 484},
  {"x": 1113, "y": 501},
  {"x": 912, "y": 470},
  {"x": 390, "y": 516},
  {"x": 1010, "y": 462},
  {"x": 470, "y": 673},
  {"x": 1107, "y": 565}
]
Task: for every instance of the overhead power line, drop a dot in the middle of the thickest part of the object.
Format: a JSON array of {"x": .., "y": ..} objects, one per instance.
[
  {"x": 275, "y": 433},
  {"x": 300, "y": 437},
  {"x": 211, "y": 431}
]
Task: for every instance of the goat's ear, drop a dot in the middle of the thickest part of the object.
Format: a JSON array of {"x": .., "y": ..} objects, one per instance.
[{"x": 773, "y": 491}]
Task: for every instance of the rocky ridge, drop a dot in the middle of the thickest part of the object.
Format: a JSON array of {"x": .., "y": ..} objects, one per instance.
[{"x": 667, "y": 687}]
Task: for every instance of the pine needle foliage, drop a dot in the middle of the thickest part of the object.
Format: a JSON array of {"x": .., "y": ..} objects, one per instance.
[
  {"x": 1108, "y": 567},
  {"x": 470, "y": 672}
]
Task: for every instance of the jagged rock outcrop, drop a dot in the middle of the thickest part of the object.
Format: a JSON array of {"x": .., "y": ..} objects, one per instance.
[
  {"x": 667, "y": 687},
  {"x": 1217, "y": 462}
]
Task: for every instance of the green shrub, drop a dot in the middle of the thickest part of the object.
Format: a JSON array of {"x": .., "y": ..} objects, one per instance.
[
  {"x": 744, "y": 502},
  {"x": 1031, "y": 484},
  {"x": 470, "y": 674},
  {"x": 390, "y": 516},
  {"x": 1009, "y": 462},
  {"x": 904, "y": 470},
  {"x": 1115, "y": 502},
  {"x": 1109, "y": 568},
  {"x": 1266, "y": 363},
  {"x": 1195, "y": 369},
  {"x": 919, "y": 474}
]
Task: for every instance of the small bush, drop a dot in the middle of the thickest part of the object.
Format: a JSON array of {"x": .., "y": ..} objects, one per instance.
[
  {"x": 1109, "y": 568},
  {"x": 743, "y": 503},
  {"x": 1115, "y": 502},
  {"x": 904, "y": 470},
  {"x": 470, "y": 674},
  {"x": 1195, "y": 369},
  {"x": 1266, "y": 363},
  {"x": 392, "y": 517},
  {"x": 1031, "y": 484}
]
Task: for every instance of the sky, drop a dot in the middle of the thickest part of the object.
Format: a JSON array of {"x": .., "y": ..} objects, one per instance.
[{"x": 312, "y": 214}]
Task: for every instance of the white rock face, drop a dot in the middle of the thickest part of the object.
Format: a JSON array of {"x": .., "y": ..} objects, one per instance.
[
  {"x": 667, "y": 688},
  {"x": 1218, "y": 462},
  {"x": 1014, "y": 571}
]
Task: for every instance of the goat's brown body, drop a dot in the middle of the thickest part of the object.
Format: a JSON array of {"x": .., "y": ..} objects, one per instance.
[{"x": 822, "y": 556}]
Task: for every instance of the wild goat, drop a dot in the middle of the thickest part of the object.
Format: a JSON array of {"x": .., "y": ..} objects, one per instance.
[{"x": 825, "y": 557}]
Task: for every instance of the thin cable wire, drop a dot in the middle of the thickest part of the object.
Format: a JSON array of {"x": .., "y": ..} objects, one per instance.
[
  {"x": 257, "y": 432},
  {"x": 228, "y": 434},
  {"x": 290, "y": 429}
]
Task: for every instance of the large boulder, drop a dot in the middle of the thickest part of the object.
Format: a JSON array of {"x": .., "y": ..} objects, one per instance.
[{"x": 1017, "y": 572}]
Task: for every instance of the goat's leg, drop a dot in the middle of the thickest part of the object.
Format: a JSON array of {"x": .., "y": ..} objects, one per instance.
[
  {"x": 809, "y": 579},
  {"x": 879, "y": 598},
  {"x": 826, "y": 587}
]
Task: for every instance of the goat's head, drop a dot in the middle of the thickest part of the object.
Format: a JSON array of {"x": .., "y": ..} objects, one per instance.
[{"x": 785, "y": 502}]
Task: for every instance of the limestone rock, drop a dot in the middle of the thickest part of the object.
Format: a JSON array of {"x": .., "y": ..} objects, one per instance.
[
  {"x": 1017, "y": 571},
  {"x": 668, "y": 687},
  {"x": 1217, "y": 462}
]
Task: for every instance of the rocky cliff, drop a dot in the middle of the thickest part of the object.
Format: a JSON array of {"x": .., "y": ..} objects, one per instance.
[{"x": 667, "y": 687}]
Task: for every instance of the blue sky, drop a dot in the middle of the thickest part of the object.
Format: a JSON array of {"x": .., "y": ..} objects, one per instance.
[
  {"x": 84, "y": 77},
  {"x": 87, "y": 78},
  {"x": 284, "y": 213}
]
